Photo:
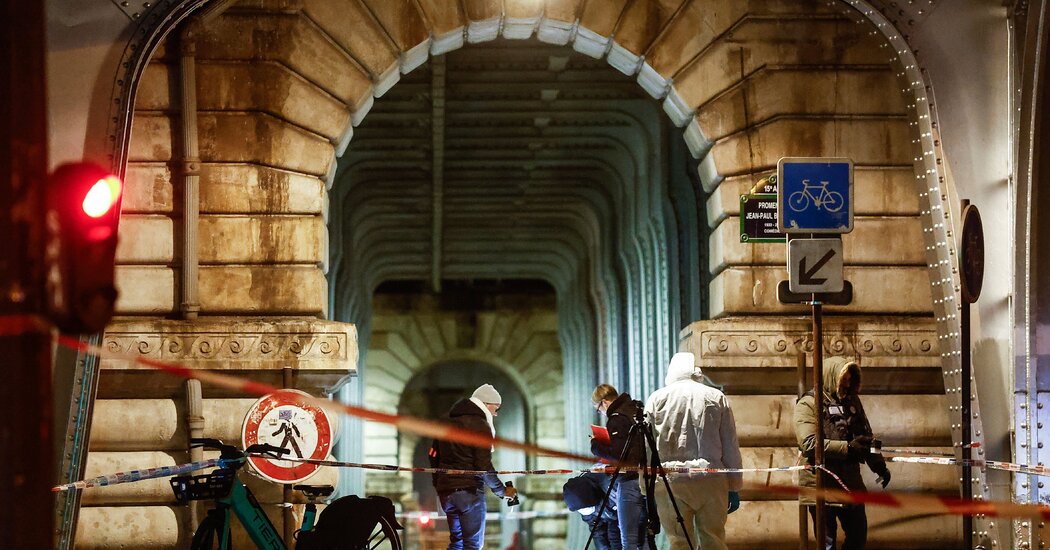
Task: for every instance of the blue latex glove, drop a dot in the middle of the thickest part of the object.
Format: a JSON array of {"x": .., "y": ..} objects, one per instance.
[{"x": 734, "y": 501}]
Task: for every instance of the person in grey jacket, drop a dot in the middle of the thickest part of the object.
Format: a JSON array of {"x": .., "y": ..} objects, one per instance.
[{"x": 694, "y": 427}]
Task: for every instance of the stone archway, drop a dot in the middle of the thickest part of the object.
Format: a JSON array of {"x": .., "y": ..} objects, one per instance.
[
  {"x": 522, "y": 345},
  {"x": 743, "y": 95}
]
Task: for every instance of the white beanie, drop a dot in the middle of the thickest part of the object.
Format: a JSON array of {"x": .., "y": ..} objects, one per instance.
[{"x": 487, "y": 394}]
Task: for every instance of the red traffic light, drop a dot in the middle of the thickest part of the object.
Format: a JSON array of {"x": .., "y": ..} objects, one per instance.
[
  {"x": 102, "y": 196},
  {"x": 83, "y": 210}
]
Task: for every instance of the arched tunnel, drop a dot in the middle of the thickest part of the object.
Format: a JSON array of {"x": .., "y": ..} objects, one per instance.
[{"x": 522, "y": 202}]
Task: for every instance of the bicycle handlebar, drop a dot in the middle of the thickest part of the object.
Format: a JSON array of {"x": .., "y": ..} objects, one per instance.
[
  {"x": 267, "y": 449},
  {"x": 225, "y": 451},
  {"x": 231, "y": 452}
]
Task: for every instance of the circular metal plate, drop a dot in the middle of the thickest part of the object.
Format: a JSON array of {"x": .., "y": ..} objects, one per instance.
[
  {"x": 971, "y": 251},
  {"x": 283, "y": 420}
]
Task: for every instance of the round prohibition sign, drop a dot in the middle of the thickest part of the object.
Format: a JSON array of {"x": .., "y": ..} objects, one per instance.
[{"x": 283, "y": 420}]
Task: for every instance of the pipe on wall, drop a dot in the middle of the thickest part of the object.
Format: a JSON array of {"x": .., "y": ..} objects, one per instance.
[
  {"x": 189, "y": 166},
  {"x": 194, "y": 429}
]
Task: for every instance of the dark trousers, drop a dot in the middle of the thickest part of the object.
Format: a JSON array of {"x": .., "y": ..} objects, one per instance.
[
  {"x": 606, "y": 532},
  {"x": 854, "y": 525},
  {"x": 465, "y": 511}
]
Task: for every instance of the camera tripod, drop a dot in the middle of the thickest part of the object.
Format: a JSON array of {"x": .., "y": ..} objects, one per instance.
[{"x": 649, "y": 474}]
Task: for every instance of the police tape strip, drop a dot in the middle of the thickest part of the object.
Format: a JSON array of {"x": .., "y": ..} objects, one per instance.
[
  {"x": 409, "y": 424},
  {"x": 164, "y": 471},
  {"x": 438, "y": 430},
  {"x": 910, "y": 501},
  {"x": 993, "y": 464},
  {"x": 835, "y": 477},
  {"x": 918, "y": 502},
  {"x": 920, "y": 452},
  {"x": 17, "y": 325},
  {"x": 491, "y": 516},
  {"x": 606, "y": 469},
  {"x": 137, "y": 475}
]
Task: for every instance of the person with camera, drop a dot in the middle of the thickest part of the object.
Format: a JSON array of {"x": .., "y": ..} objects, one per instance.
[
  {"x": 694, "y": 427},
  {"x": 463, "y": 496},
  {"x": 848, "y": 442},
  {"x": 622, "y": 412}
]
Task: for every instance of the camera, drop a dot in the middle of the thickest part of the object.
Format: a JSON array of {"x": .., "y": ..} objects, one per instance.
[{"x": 512, "y": 501}]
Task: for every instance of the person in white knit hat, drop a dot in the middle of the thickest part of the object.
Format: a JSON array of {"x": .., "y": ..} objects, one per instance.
[{"x": 463, "y": 496}]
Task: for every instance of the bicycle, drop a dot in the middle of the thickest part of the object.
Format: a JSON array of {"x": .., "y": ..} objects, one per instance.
[
  {"x": 230, "y": 495},
  {"x": 832, "y": 201}
]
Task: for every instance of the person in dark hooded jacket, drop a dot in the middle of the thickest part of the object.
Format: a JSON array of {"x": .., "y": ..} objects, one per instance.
[
  {"x": 463, "y": 496},
  {"x": 621, "y": 410},
  {"x": 847, "y": 444}
]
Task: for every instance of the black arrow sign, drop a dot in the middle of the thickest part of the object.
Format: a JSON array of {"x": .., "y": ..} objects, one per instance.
[{"x": 805, "y": 276}]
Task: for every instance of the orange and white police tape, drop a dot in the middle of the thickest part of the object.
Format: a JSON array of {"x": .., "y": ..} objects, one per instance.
[
  {"x": 17, "y": 325},
  {"x": 418, "y": 426},
  {"x": 600, "y": 468},
  {"x": 918, "y": 502},
  {"x": 993, "y": 464},
  {"x": 132, "y": 476},
  {"x": 438, "y": 430},
  {"x": 920, "y": 452}
]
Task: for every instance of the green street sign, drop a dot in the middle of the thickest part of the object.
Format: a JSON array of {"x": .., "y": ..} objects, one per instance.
[{"x": 758, "y": 219}]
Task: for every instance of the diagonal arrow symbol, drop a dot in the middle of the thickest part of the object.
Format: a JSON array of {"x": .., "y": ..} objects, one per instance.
[{"x": 805, "y": 276}]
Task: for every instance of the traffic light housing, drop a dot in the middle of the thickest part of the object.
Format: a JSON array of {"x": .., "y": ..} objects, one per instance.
[{"x": 83, "y": 210}]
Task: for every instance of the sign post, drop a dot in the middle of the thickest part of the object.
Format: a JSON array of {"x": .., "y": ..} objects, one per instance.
[
  {"x": 972, "y": 274},
  {"x": 816, "y": 199}
]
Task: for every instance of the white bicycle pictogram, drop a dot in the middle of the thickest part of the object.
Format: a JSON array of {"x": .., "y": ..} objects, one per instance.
[{"x": 831, "y": 201}]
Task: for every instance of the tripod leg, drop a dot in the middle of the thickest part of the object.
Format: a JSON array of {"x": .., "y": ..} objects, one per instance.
[
  {"x": 667, "y": 484},
  {"x": 601, "y": 509},
  {"x": 612, "y": 483}
]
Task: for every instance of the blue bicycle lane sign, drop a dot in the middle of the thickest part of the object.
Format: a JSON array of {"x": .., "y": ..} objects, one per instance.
[{"x": 815, "y": 195}]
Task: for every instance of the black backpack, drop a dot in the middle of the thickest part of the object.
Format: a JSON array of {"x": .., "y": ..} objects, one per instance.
[{"x": 348, "y": 523}]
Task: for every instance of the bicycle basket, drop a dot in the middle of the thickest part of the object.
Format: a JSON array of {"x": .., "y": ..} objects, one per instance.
[{"x": 210, "y": 486}]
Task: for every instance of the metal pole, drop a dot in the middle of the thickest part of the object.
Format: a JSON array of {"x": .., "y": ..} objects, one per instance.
[
  {"x": 967, "y": 473},
  {"x": 288, "y": 519},
  {"x": 803, "y": 513},
  {"x": 26, "y": 449},
  {"x": 818, "y": 401}
]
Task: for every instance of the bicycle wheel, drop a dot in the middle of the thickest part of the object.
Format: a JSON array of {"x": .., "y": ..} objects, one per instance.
[
  {"x": 798, "y": 201},
  {"x": 209, "y": 534},
  {"x": 833, "y": 201},
  {"x": 384, "y": 537}
]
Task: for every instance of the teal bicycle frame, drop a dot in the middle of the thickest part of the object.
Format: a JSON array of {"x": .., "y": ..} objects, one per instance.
[
  {"x": 251, "y": 515},
  {"x": 231, "y": 496}
]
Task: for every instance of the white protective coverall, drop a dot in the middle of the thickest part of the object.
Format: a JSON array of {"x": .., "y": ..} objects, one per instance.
[{"x": 694, "y": 426}]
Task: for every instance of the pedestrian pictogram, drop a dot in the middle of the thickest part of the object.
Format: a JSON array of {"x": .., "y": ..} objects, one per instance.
[
  {"x": 815, "y": 195},
  {"x": 285, "y": 420}
]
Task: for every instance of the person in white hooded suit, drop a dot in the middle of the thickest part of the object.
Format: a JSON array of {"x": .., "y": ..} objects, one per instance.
[{"x": 694, "y": 426}]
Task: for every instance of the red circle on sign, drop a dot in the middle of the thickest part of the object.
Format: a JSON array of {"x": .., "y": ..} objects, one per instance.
[{"x": 302, "y": 424}]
